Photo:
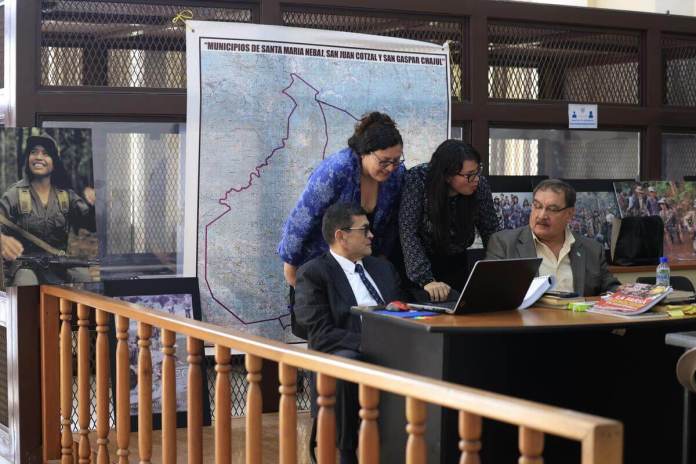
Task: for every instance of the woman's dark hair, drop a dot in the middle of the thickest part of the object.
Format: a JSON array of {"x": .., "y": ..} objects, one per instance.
[
  {"x": 374, "y": 131},
  {"x": 59, "y": 176},
  {"x": 445, "y": 163}
]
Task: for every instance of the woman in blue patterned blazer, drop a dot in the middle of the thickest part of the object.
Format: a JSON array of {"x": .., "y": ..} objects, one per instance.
[{"x": 369, "y": 172}]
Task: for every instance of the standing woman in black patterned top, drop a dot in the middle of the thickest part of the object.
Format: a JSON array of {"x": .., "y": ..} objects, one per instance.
[{"x": 441, "y": 203}]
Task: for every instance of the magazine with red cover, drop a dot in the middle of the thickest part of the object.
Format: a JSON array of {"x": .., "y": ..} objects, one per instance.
[{"x": 631, "y": 299}]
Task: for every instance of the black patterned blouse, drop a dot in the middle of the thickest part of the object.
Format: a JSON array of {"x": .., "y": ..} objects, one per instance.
[{"x": 415, "y": 228}]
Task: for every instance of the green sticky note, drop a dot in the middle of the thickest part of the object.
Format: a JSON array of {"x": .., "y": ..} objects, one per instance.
[
  {"x": 675, "y": 313},
  {"x": 580, "y": 306}
]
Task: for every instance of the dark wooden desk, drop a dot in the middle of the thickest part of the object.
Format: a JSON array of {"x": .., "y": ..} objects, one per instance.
[
  {"x": 591, "y": 363},
  {"x": 687, "y": 341}
]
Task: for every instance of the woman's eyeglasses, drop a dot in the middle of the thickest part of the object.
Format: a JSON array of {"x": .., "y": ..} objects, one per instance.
[
  {"x": 365, "y": 229},
  {"x": 470, "y": 177},
  {"x": 385, "y": 163}
]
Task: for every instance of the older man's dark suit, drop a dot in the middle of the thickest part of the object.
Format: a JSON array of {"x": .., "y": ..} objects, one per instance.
[
  {"x": 323, "y": 298},
  {"x": 591, "y": 275}
]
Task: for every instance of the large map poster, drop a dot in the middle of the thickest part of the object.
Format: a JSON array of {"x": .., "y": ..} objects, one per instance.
[{"x": 265, "y": 105}]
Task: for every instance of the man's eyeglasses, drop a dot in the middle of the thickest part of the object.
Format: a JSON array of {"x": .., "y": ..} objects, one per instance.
[
  {"x": 385, "y": 163},
  {"x": 365, "y": 229},
  {"x": 472, "y": 176},
  {"x": 551, "y": 209}
]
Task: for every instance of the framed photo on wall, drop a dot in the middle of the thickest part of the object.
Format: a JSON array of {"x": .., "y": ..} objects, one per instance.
[
  {"x": 177, "y": 296},
  {"x": 512, "y": 199},
  {"x": 51, "y": 240},
  {"x": 674, "y": 202},
  {"x": 595, "y": 209}
]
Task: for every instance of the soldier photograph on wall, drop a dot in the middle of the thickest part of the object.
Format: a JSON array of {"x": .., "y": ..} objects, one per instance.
[{"x": 47, "y": 218}]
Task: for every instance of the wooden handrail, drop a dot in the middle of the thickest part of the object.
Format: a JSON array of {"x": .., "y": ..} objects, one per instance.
[{"x": 601, "y": 438}]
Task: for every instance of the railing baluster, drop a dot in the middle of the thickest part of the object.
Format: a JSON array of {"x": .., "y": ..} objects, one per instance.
[
  {"x": 288, "y": 413},
  {"x": 469, "y": 438},
  {"x": 531, "y": 444},
  {"x": 368, "y": 443},
  {"x": 83, "y": 400},
  {"x": 50, "y": 376},
  {"x": 66, "y": 439},
  {"x": 254, "y": 409},
  {"x": 223, "y": 420},
  {"x": 601, "y": 438},
  {"x": 103, "y": 374},
  {"x": 122, "y": 390},
  {"x": 415, "y": 446},
  {"x": 326, "y": 420},
  {"x": 168, "y": 397},
  {"x": 144, "y": 393},
  {"x": 195, "y": 405}
]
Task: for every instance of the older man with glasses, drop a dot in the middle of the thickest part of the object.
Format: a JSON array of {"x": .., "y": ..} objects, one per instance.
[{"x": 577, "y": 262}]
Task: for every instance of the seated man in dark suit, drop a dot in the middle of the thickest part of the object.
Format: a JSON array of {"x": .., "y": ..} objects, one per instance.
[
  {"x": 327, "y": 286},
  {"x": 577, "y": 262}
]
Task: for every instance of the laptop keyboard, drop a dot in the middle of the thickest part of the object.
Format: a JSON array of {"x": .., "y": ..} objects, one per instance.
[
  {"x": 446, "y": 304},
  {"x": 436, "y": 307}
]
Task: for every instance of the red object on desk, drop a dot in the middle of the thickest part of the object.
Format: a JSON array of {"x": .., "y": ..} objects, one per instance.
[{"x": 397, "y": 306}]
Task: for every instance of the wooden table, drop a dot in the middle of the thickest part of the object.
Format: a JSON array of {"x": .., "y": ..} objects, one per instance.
[{"x": 597, "y": 364}]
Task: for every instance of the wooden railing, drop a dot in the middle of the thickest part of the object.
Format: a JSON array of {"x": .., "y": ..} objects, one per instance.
[{"x": 601, "y": 439}]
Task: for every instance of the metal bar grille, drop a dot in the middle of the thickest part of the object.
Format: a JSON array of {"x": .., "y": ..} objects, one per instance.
[
  {"x": 679, "y": 61},
  {"x": 564, "y": 153},
  {"x": 237, "y": 380},
  {"x": 75, "y": 424},
  {"x": 678, "y": 156},
  {"x": 143, "y": 180},
  {"x": 560, "y": 63},
  {"x": 426, "y": 29},
  {"x": 119, "y": 44},
  {"x": 240, "y": 386}
]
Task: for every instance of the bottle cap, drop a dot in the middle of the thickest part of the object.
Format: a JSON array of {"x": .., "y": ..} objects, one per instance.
[{"x": 663, "y": 259}]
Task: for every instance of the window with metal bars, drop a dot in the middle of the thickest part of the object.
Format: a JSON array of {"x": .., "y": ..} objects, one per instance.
[
  {"x": 568, "y": 154},
  {"x": 562, "y": 63},
  {"x": 119, "y": 44},
  {"x": 679, "y": 61},
  {"x": 139, "y": 172},
  {"x": 415, "y": 27},
  {"x": 678, "y": 155}
]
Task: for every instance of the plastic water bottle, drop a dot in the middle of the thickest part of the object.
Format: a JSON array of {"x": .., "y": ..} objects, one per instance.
[{"x": 662, "y": 273}]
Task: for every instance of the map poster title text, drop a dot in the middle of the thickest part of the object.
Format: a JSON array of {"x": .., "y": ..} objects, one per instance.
[{"x": 323, "y": 52}]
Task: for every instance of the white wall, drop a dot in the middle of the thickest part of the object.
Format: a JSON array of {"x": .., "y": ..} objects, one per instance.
[
  {"x": 561, "y": 2},
  {"x": 676, "y": 7}
]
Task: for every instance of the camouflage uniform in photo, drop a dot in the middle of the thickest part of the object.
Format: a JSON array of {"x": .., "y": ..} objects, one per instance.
[{"x": 51, "y": 223}]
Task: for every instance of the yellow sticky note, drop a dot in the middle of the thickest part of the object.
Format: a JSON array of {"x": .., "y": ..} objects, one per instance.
[{"x": 675, "y": 312}]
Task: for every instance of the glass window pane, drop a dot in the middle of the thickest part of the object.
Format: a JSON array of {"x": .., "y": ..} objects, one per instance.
[
  {"x": 128, "y": 43},
  {"x": 564, "y": 153},
  {"x": 678, "y": 156},
  {"x": 138, "y": 171}
]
